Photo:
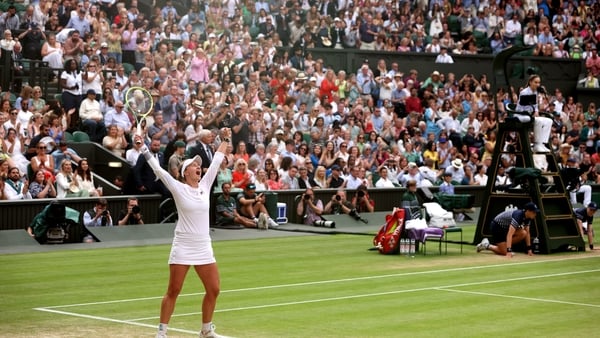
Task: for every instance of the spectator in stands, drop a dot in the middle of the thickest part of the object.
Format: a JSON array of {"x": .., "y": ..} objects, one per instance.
[
  {"x": 115, "y": 140},
  {"x": 67, "y": 184},
  {"x": 14, "y": 187},
  {"x": 92, "y": 78},
  {"x": 10, "y": 20},
  {"x": 289, "y": 179},
  {"x": 12, "y": 146},
  {"x": 52, "y": 52},
  {"x": 160, "y": 130},
  {"x": 411, "y": 174},
  {"x": 117, "y": 116},
  {"x": 384, "y": 181},
  {"x": 227, "y": 215},
  {"x": 85, "y": 178},
  {"x": 132, "y": 215},
  {"x": 70, "y": 80},
  {"x": 41, "y": 187},
  {"x": 79, "y": 22},
  {"x": 457, "y": 170},
  {"x": 592, "y": 63},
  {"x": 8, "y": 43},
  {"x": 241, "y": 176},
  {"x": 64, "y": 152},
  {"x": 508, "y": 228},
  {"x": 590, "y": 81},
  {"x": 132, "y": 154},
  {"x": 42, "y": 160},
  {"x": 31, "y": 41},
  {"x": 91, "y": 117},
  {"x": 444, "y": 57},
  {"x": 98, "y": 216},
  {"x": 335, "y": 180},
  {"x": 176, "y": 159},
  {"x": 74, "y": 46},
  {"x": 143, "y": 175},
  {"x": 252, "y": 205}
]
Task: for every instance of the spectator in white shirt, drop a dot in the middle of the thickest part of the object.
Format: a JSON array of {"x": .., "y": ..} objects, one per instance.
[
  {"x": 444, "y": 57},
  {"x": 91, "y": 116}
]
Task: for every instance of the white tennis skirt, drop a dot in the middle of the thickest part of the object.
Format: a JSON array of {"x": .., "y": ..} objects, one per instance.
[{"x": 189, "y": 249}]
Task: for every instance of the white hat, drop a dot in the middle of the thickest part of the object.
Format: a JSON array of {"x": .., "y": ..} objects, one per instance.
[
  {"x": 212, "y": 35},
  {"x": 457, "y": 163},
  {"x": 104, "y": 45},
  {"x": 337, "y": 19},
  {"x": 312, "y": 78},
  {"x": 260, "y": 36},
  {"x": 279, "y": 132},
  {"x": 189, "y": 161},
  {"x": 435, "y": 72}
]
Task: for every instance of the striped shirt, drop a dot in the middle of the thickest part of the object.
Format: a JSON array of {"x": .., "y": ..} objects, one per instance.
[{"x": 516, "y": 218}]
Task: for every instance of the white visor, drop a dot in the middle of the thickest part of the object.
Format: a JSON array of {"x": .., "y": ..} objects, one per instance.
[{"x": 189, "y": 161}]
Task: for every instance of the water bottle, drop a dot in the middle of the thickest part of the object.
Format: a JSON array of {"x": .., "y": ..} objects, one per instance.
[
  {"x": 536, "y": 245},
  {"x": 411, "y": 250},
  {"x": 402, "y": 246}
]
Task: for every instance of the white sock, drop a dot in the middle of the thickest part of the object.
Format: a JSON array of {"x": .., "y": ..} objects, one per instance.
[
  {"x": 162, "y": 327},
  {"x": 206, "y": 327}
]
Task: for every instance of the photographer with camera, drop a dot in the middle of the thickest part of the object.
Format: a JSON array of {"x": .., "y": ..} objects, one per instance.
[
  {"x": 133, "y": 214},
  {"x": 99, "y": 216},
  {"x": 361, "y": 200},
  {"x": 338, "y": 204},
  {"x": 310, "y": 209}
]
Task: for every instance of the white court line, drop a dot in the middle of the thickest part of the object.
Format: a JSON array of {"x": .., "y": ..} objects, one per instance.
[
  {"x": 343, "y": 280},
  {"x": 136, "y": 323},
  {"x": 105, "y": 319},
  {"x": 520, "y": 297},
  {"x": 380, "y": 294}
]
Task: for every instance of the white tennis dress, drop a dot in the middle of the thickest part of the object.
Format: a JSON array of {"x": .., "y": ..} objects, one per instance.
[{"x": 192, "y": 242}]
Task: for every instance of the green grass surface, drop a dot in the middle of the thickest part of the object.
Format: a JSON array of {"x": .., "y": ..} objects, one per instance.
[{"x": 316, "y": 286}]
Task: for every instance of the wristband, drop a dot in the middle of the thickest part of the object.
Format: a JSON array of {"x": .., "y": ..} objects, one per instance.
[
  {"x": 508, "y": 249},
  {"x": 529, "y": 247}
]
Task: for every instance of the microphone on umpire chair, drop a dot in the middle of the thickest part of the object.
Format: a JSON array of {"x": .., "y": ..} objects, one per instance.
[{"x": 324, "y": 224}]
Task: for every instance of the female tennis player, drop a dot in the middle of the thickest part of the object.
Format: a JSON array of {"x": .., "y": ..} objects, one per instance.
[{"x": 192, "y": 242}]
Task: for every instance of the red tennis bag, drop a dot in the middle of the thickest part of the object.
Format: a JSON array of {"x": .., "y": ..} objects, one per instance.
[{"x": 387, "y": 240}]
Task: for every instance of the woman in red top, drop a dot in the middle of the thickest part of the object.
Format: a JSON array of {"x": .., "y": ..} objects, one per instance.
[
  {"x": 240, "y": 176},
  {"x": 328, "y": 87},
  {"x": 279, "y": 86}
]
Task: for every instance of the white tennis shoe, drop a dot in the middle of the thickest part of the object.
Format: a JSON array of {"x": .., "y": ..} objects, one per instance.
[
  {"x": 485, "y": 243},
  {"x": 262, "y": 222},
  {"x": 210, "y": 334}
]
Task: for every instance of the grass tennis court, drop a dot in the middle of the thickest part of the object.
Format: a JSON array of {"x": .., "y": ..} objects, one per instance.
[{"x": 307, "y": 286}]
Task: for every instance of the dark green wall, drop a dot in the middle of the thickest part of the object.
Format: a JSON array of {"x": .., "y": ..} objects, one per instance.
[{"x": 555, "y": 73}]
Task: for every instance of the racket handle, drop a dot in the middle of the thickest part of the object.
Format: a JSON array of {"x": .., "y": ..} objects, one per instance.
[{"x": 138, "y": 130}]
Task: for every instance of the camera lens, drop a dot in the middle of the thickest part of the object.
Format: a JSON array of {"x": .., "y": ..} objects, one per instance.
[
  {"x": 105, "y": 212},
  {"x": 361, "y": 194},
  {"x": 135, "y": 209},
  {"x": 338, "y": 197},
  {"x": 306, "y": 197}
]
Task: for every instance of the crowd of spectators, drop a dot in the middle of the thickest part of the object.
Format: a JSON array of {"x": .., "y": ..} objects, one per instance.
[{"x": 297, "y": 123}]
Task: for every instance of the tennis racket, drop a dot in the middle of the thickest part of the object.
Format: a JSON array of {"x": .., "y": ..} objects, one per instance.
[{"x": 139, "y": 103}]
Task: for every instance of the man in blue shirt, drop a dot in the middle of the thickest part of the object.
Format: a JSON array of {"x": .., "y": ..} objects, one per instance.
[{"x": 508, "y": 228}]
